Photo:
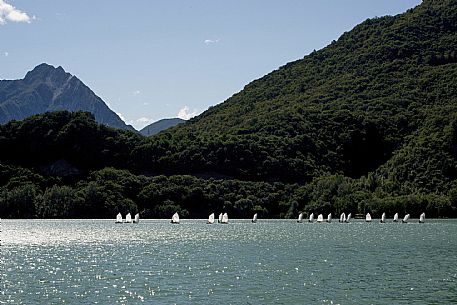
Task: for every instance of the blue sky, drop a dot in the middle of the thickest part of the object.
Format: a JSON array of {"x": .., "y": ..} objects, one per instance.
[{"x": 154, "y": 59}]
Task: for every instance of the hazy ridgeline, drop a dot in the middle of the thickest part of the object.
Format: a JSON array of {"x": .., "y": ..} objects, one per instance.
[{"x": 367, "y": 124}]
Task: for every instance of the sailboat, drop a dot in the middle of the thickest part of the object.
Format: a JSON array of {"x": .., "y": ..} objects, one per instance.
[
  {"x": 254, "y": 219},
  {"x": 137, "y": 218},
  {"x": 311, "y": 217},
  {"x": 342, "y": 217},
  {"x": 224, "y": 219},
  {"x": 348, "y": 218},
  {"x": 300, "y": 217},
  {"x": 175, "y": 218},
  {"x": 383, "y": 218},
  {"x": 368, "y": 217},
  {"x": 128, "y": 218},
  {"x": 219, "y": 220},
  {"x": 422, "y": 218},
  {"x": 329, "y": 218},
  {"x": 406, "y": 218},
  {"x": 118, "y": 218},
  {"x": 396, "y": 217},
  {"x": 210, "y": 219},
  {"x": 320, "y": 218}
]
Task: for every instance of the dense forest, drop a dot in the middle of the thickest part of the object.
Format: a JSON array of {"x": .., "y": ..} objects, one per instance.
[{"x": 367, "y": 124}]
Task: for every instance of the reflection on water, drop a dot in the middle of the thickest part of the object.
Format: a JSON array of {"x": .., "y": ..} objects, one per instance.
[{"x": 271, "y": 262}]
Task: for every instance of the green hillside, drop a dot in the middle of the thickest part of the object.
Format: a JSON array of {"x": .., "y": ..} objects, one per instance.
[
  {"x": 348, "y": 108},
  {"x": 367, "y": 124}
]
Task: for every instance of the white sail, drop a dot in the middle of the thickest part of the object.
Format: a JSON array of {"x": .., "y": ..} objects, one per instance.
[
  {"x": 220, "y": 218},
  {"x": 320, "y": 218},
  {"x": 254, "y": 219},
  {"x": 396, "y": 217},
  {"x": 119, "y": 218},
  {"x": 175, "y": 218},
  {"x": 342, "y": 217},
  {"x": 311, "y": 217},
  {"x": 383, "y": 218},
  {"x": 211, "y": 219},
  {"x": 406, "y": 218},
  {"x": 128, "y": 218},
  {"x": 137, "y": 218},
  {"x": 422, "y": 218},
  {"x": 329, "y": 217},
  {"x": 300, "y": 217},
  {"x": 224, "y": 218},
  {"x": 348, "y": 218},
  {"x": 368, "y": 217}
]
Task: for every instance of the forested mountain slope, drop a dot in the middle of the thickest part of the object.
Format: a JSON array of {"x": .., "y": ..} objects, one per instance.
[{"x": 367, "y": 124}]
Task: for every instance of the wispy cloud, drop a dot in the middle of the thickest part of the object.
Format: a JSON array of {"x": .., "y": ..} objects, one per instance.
[
  {"x": 211, "y": 41},
  {"x": 136, "y": 92},
  {"x": 12, "y": 14},
  {"x": 185, "y": 113},
  {"x": 6, "y": 54}
]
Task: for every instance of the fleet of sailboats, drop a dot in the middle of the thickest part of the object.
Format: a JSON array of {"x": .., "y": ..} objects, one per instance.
[
  {"x": 128, "y": 218},
  {"x": 223, "y": 218}
]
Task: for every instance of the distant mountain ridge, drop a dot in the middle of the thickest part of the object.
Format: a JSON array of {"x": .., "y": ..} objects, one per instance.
[
  {"x": 160, "y": 125},
  {"x": 47, "y": 89}
]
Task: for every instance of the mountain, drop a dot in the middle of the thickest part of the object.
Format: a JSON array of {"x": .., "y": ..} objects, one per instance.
[
  {"x": 366, "y": 124},
  {"x": 46, "y": 89},
  {"x": 383, "y": 92},
  {"x": 160, "y": 125}
]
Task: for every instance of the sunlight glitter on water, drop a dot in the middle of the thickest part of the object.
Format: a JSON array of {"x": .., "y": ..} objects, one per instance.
[{"x": 274, "y": 261}]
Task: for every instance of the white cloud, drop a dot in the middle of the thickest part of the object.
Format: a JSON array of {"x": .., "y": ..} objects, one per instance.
[
  {"x": 211, "y": 41},
  {"x": 136, "y": 92},
  {"x": 141, "y": 122},
  {"x": 6, "y": 54},
  {"x": 185, "y": 114},
  {"x": 145, "y": 104},
  {"x": 10, "y": 13}
]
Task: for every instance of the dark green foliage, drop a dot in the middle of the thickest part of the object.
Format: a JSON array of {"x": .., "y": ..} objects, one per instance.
[{"x": 367, "y": 124}]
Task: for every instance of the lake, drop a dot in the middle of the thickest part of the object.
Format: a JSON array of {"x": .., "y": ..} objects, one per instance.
[{"x": 270, "y": 262}]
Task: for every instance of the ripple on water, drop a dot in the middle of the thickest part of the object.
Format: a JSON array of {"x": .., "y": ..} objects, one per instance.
[{"x": 92, "y": 261}]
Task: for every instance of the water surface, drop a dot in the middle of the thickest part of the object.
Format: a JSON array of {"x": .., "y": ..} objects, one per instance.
[{"x": 271, "y": 262}]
